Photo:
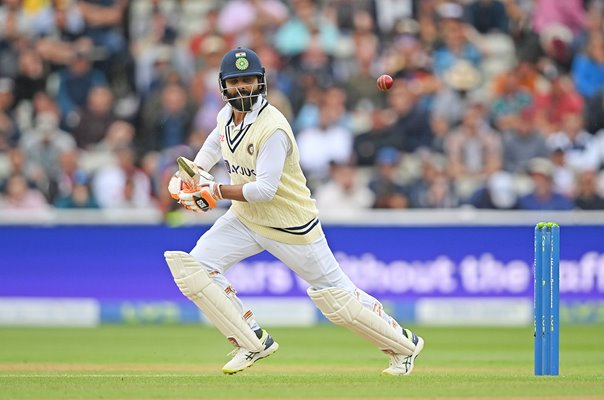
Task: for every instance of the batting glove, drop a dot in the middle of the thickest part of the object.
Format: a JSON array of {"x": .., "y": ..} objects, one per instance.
[
  {"x": 201, "y": 198},
  {"x": 177, "y": 184}
]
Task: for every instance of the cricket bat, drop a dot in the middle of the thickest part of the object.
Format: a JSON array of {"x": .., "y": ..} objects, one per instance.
[{"x": 189, "y": 172}]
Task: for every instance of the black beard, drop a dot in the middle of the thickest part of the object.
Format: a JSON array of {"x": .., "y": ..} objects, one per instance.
[
  {"x": 246, "y": 103},
  {"x": 243, "y": 104}
]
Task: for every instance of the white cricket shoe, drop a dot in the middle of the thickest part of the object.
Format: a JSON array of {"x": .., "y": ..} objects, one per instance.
[
  {"x": 243, "y": 358},
  {"x": 401, "y": 364}
]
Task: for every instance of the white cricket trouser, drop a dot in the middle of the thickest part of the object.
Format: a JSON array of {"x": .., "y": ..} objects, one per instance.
[{"x": 229, "y": 241}]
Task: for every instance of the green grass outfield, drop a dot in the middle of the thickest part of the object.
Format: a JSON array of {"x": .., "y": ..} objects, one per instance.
[{"x": 326, "y": 362}]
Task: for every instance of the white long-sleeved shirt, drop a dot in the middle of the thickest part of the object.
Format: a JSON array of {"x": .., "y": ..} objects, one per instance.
[{"x": 269, "y": 165}]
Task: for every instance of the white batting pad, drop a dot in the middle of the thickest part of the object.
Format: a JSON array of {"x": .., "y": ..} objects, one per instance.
[
  {"x": 343, "y": 308},
  {"x": 194, "y": 282}
]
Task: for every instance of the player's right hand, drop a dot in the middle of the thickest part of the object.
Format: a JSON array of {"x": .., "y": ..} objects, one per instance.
[
  {"x": 177, "y": 184},
  {"x": 201, "y": 198}
]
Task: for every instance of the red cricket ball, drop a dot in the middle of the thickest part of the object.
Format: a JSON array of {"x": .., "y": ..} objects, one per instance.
[{"x": 384, "y": 82}]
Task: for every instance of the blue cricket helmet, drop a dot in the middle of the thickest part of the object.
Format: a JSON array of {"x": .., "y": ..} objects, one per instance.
[{"x": 241, "y": 62}]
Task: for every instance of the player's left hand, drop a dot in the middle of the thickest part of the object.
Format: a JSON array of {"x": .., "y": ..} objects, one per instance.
[
  {"x": 201, "y": 198},
  {"x": 178, "y": 184},
  {"x": 175, "y": 185}
]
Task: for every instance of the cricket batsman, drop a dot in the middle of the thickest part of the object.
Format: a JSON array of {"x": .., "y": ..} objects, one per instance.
[{"x": 271, "y": 210}]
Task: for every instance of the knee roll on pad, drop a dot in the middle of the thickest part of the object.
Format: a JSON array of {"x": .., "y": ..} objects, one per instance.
[
  {"x": 343, "y": 308},
  {"x": 194, "y": 282}
]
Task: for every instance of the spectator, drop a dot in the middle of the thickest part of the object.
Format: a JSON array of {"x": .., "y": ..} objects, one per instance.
[
  {"x": 509, "y": 99},
  {"x": 19, "y": 196},
  {"x": 588, "y": 67},
  {"x": 329, "y": 141},
  {"x": 559, "y": 99},
  {"x": 333, "y": 98},
  {"x": 367, "y": 144},
  {"x": 521, "y": 143},
  {"x": 451, "y": 101},
  {"x": 498, "y": 193},
  {"x": 42, "y": 102},
  {"x": 408, "y": 60},
  {"x": 103, "y": 24},
  {"x": 209, "y": 31},
  {"x": 314, "y": 60},
  {"x": 237, "y": 16},
  {"x": 9, "y": 131},
  {"x": 70, "y": 185},
  {"x": 526, "y": 79},
  {"x": 360, "y": 84},
  {"x": 411, "y": 129},
  {"x": 473, "y": 151},
  {"x": 124, "y": 184},
  {"x": 31, "y": 77},
  {"x": 157, "y": 63},
  {"x": 456, "y": 44},
  {"x": 13, "y": 33},
  {"x": 569, "y": 13},
  {"x": 58, "y": 45},
  {"x": 580, "y": 147},
  {"x": 428, "y": 31},
  {"x": 67, "y": 172},
  {"x": 387, "y": 13},
  {"x": 156, "y": 23},
  {"x": 440, "y": 193},
  {"x": 16, "y": 165},
  {"x": 80, "y": 196},
  {"x": 520, "y": 26},
  {"x": 594, "y": 113},
  {"x": 282, "y": 80},
  {"x": 564, "y": 176},
  {"x": 587, "y": 196},
  {"x": 120, "y": 134},
  {"x": 204, "y": 87},
  {"x": 75, "y": 82},
  {"x": 169, "y": 124},
  {"x": 432, "y": 188},
  {"x": 543, "y": 195},
  {"x": 42, "y": 146},
  {"x": 96, "y": 118},
  {"x": 384, "y": 184},
  {"x": 308, "y": 113},
  {"x": 488, "y": 16},
  {"x": 344, "y": 191},
  {"x": 157, "y": 51},
  {"x": 307, "y": 24}
]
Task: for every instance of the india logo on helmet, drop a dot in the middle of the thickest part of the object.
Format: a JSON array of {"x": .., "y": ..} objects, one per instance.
[{"x": 241, "y": 63}]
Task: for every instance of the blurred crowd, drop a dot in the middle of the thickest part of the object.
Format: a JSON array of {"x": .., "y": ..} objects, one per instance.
[{"x": 496, "y": 104}]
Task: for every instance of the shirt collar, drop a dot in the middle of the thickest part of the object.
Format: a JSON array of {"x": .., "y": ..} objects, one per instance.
[{"x": 251, "y": 115}]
